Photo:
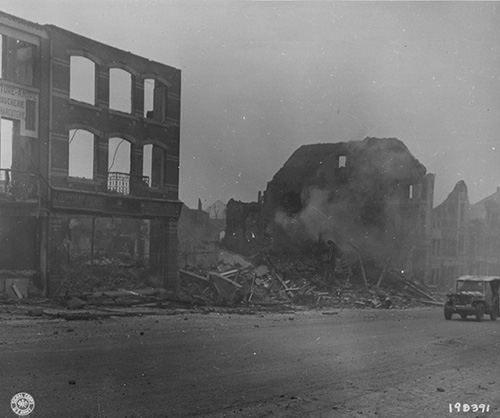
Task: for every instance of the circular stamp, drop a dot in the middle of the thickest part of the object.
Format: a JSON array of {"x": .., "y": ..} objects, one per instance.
[{"x": 22, "y": 404}]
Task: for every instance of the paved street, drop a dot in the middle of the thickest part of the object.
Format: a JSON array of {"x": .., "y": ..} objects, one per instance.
[{"x": 384, "y": 363}]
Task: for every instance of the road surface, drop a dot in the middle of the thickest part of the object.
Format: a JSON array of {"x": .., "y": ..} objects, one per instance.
[{"x": 350, "y": 363}]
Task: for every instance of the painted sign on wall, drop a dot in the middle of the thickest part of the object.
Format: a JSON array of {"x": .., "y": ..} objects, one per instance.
[{"x": 20, "y": 104}]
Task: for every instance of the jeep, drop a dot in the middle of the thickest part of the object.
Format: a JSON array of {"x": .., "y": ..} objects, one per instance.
[{"x": 474, "y": 295}]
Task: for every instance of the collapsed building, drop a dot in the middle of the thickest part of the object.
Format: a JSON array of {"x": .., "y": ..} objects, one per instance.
[
  {"x": 371, "y": 197},
  {"x": 88, "y": 132}
]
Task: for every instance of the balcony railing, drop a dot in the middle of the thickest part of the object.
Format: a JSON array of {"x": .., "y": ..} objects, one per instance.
[
  {"x": 124, "y": 183},
  {"x": 19, "y": 185}
]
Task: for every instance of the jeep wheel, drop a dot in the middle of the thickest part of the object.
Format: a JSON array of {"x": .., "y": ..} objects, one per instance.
[
  {"x": 463, "y": 316},
  {"x": 479, "y": 312},
  {"x": 494, "y": 313},
  {"x": 447, "y": 313}
]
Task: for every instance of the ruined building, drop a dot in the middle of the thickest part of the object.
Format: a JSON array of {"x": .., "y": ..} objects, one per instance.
[
  {"x": 465, "y": 237},
  {"x": 245, "y": 228},
  {"x": 372, "y": 196},
  {"x": 88, "y": 131},
  {"x": 450, "y": 238},
  {"x": 484, "y": 236}
]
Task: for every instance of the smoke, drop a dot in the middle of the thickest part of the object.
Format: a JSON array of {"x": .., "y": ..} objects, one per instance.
[
  {"x": 364, "y": 211},
  {"x": 323, "y": 220}
]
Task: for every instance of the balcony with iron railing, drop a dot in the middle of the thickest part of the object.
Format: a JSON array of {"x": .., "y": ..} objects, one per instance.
[
  {"x": 121, "y": 194},
  {"x": 16, "y": 185},
  {"x": 127, "y": 184}
]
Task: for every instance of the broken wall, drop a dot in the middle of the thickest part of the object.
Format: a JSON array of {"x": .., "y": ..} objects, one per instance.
[{"x": 246, "y": 231}]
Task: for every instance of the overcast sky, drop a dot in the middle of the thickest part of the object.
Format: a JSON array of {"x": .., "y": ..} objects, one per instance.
[{"x": 262, "y": 78}]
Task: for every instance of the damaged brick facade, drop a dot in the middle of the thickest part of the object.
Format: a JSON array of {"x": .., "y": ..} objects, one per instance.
[{"x": 39, "y": 190}]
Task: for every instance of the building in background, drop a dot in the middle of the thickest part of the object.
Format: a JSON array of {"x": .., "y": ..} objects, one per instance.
[
  {"x": 466, "y": 237},
  {"x": 484, "y": 236},
  {"x": 450, "y": 238},
  {"x": 199, "y": 238}
]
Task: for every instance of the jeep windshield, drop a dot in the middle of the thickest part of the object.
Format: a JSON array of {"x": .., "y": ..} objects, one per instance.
[{"x": 469, "y": 286}]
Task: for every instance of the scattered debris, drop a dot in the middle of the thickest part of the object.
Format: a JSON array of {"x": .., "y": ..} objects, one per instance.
[
  {"x": 299, "y": 279},
  {"x": 17, "y": 291},
  {"x": 104, "y": 274},
  {"x": 265, "y": 281},
  {"x": 35, "y": 312},
  {"x": 75, "y": 303}
]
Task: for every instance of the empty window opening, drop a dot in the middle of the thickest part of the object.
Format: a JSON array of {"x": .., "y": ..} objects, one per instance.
[
  {"x": 17, "y": 62},
  {"x": 81, "y": 154},
  {"x": 342, "y": 161},
  {"x": 157, "y": 167},
  {"x": 147, "y": 161},
  {"x": 119, "y": 155},
  {"x": 120, "y": 90},
  {"x": 82, "y": 80},
  {"x": 149, "y": 89},
  {"x": 25, "y": 54},
  {"x": 410, "y": 191},
  {"x": 6, "y": 137}
]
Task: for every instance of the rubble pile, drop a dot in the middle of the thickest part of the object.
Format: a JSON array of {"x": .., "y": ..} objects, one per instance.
[
  {"x": 286, "y": 278},
  {"x": 267, "y": 279},
  {"x": 103, "y": 274}
]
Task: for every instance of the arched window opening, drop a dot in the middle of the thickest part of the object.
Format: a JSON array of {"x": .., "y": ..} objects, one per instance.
[
  {"x": 119, "y": 165},
  {"x": 120, "y": 90},
  {"x": 149, "y": 91},
  {"x": 119, "y": 155},
  {"x": 157, "y": 167},
  {"x": 81, "y": 154},
  {"x": 155, "y": 100},
  {"x": 153, "y": 165},
  {"x": 82, "y": 80}
]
